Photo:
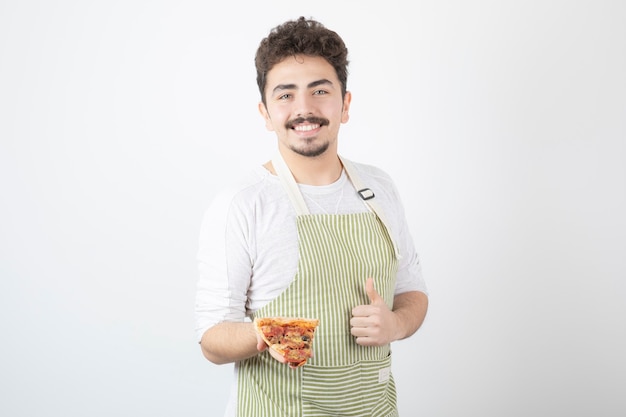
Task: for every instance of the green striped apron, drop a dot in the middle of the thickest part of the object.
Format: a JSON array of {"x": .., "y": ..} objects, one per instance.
[{"x": 337, "y": 253}]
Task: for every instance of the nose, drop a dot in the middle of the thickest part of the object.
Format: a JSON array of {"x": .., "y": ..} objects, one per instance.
[{"x": 303, "y": 105}]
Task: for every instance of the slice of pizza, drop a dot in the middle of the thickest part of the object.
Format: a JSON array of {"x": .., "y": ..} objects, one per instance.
[{"x": 291, "y": 337}]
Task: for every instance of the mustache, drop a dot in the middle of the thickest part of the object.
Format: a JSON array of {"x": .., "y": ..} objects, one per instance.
[{"x": 314, "y": 120}]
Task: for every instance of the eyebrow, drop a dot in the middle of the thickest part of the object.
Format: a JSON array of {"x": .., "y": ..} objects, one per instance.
[{"x": 281, "y": 87}]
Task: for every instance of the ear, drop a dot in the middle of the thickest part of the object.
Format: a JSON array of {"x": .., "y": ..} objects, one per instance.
[
  {"x": 266, "y": 116},
  {"x": 345, "y": 115}
]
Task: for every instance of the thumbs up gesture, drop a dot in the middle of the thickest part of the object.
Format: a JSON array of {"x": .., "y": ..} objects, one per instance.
[{"x": 373, "y": 324}]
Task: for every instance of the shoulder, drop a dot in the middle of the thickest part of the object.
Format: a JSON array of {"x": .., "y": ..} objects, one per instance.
[
  {"x": 247, "y": 195},
  {"x": 369, "y": 171},
  {"x": 243, "y": 187},
  {"x": 374, "y": 177}
]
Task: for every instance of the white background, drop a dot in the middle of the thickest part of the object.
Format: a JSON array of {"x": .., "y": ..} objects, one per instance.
[{"x": 503, "y": 123}]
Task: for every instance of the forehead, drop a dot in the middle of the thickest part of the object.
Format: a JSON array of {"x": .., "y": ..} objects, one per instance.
[{"x": 301, "y": 70}]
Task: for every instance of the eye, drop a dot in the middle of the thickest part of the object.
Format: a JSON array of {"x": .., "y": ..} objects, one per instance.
[
  {"x": 320, "y": 92},
  {"x": 285, "y": 96}
]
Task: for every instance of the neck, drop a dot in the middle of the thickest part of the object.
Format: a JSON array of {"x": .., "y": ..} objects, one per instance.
[{"x": 320, "y": 170}]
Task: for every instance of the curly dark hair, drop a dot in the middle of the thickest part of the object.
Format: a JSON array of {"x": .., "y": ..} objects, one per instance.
[{"x": 301, "y": 37}]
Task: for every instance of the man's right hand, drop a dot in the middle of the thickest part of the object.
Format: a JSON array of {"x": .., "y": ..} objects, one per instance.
[{"x": 261, "y": 345}]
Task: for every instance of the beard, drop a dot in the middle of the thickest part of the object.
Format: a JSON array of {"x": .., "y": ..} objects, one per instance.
[{"x": 309, "y": 149}]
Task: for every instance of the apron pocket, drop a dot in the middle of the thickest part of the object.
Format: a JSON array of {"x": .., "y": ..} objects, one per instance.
[{"x": 360, "y": 389}]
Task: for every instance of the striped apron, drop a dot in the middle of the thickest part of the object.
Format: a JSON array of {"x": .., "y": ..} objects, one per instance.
[{"x": 337, "y": 253}]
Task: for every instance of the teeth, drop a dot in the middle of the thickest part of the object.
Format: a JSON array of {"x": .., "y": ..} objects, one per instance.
[{"x": 306, "y": 128}]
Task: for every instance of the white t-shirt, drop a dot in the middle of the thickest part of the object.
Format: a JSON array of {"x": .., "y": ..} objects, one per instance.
[{"x": 248, "y": 244}]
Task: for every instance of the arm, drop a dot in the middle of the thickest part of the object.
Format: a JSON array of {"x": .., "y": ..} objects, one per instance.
[
  {"x": 224, "y": 270},
  {"x": 376, "y": 325},
  {"x": 228, "y": 342},
  {"x": 410, "y": 308}
]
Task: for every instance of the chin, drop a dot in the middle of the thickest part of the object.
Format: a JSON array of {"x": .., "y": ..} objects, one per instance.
[{"x": 311, "y": 152}]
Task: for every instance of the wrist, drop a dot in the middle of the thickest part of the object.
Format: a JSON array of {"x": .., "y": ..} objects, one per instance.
[{"x": 398, "y": 327}]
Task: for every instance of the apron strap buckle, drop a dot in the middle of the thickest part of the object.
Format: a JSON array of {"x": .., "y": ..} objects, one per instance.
[{"x": 366, "y": 193}]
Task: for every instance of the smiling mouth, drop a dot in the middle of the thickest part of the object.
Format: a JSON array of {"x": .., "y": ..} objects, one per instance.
[
  {"x": 308, "y": 124},
  {"x": 305, "y": 128}
]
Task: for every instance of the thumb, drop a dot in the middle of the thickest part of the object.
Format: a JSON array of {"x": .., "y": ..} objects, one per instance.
[{"x": 371, "y": 291}]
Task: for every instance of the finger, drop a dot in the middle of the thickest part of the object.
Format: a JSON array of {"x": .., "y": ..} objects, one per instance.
[
  {"x": 359, "y": 331},
  {"x": 365, "y": 341},
  {"x": 360, "y": 321},
  {"x": 261, "y": 345},
  {"x": 276, "y": 355},
  {"x": 363, "y": 311},
  {"x": 371, "y": 291}
]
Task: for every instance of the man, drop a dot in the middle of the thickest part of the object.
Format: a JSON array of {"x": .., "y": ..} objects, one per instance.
[{"x": 308, "y": 234}]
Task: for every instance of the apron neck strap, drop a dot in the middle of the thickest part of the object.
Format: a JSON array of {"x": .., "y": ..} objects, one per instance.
[
  {"x": 368, "y": 197},
  {"x": 289, "y": 184}
]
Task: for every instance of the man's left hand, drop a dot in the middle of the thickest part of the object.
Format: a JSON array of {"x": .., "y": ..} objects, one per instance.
[{"x": 373, "y": 324}]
